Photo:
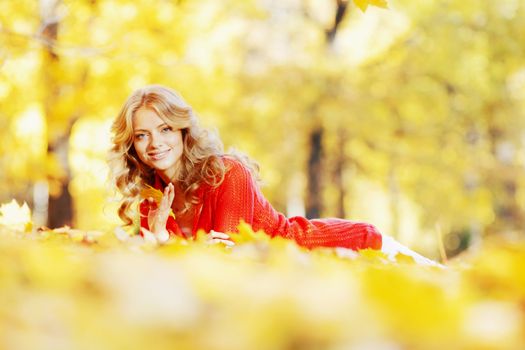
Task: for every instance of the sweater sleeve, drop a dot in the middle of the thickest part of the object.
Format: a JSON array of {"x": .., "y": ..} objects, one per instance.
[
  {"x": 235, "y": 199},
  {"x": 332, "y": 232}
]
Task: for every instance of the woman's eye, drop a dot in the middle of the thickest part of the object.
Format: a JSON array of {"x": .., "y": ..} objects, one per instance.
[
  {"x": 166, "y": 129},
  {"x": 140, "y": 136}
]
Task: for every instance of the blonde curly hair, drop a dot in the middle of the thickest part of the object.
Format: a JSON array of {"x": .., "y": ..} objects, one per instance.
[{"x": 201, "y": 160}]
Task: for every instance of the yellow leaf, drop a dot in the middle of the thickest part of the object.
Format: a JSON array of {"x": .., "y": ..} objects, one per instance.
[
  {"x": 201, "y": 236},
  {"x": 15, "y": 216},
  {"x": 372, "y": 255},
  {"x": 378, "y": 3},
  {"x": 405, "y": 259},
  {"x": 246, "y": 234},
  {"x": 151, "y": 192},
  {"x": 362, "y": 4}
]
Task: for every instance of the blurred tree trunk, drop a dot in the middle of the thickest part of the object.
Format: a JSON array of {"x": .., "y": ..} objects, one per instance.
[
  {"x": 60, "y": 208},
  {"x": 314, "y": 198},
  {"x": 339, "y": 171}
]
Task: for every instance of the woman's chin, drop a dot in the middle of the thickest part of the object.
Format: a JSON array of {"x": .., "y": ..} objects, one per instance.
[{"x": 163, "y": 168}]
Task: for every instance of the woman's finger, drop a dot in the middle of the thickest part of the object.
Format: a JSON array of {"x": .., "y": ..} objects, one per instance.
[
  {"x": 171, "y": 194},
  {"x": 149, "y": 236},
  {"x": 217, "y": 234},
  {"x": 167, "y": 199},
  {"x": 164, "y": 201},
  {"x": 223, "y": 241}
]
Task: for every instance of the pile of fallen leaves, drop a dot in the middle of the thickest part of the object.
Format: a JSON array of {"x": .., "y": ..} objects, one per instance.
[{"x": 72, "y": 289}]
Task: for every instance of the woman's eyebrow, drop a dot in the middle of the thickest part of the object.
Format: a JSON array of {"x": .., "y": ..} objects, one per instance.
[{"x": 161, "y": 125}]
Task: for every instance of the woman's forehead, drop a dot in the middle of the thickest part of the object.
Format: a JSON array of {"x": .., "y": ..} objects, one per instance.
[{"x": 146, "y": 118}]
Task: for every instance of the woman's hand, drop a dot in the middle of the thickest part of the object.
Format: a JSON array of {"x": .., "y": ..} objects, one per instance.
[
  {"x": 391, "y": 248},
  {"x": 157, "y": 218},
  {"x": 154, "y": 238},
  {"x": 216, "y": 237}
]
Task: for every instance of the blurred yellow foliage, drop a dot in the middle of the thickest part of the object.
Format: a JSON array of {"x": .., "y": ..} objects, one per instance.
[{"x": 90, "y": 289}]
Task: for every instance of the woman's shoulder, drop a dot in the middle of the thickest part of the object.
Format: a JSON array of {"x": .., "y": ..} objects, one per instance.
[
  {"x": 236, "y": 169},
  {"x": 233, "y": 165},
  {"x": 230, "y": 161}
]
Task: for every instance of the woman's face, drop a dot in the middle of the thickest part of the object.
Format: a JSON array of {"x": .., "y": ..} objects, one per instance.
[{"x": 157, "y": 144}]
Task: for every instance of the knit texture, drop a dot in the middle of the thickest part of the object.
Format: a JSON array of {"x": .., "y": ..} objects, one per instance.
[{"x": 239, "y": 198}]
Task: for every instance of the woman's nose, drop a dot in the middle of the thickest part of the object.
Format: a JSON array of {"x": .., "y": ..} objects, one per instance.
[{"x": 154, "y": 140}]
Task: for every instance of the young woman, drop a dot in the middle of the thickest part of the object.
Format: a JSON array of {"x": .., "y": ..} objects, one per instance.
[{"x": 157, "y": 142}]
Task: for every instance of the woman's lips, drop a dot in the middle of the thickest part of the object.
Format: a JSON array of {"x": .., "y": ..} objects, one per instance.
[{"x": 158, "y": 155}]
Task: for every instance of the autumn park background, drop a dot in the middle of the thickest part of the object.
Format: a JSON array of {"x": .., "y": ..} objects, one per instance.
[{"x": 406, "y": 114}]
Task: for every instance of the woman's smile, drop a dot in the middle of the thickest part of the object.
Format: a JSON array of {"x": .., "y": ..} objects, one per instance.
[{"x": 158, "y": 155}]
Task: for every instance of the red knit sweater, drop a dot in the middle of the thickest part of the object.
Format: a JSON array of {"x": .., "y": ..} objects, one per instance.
[{"x": 238, "y": 197}]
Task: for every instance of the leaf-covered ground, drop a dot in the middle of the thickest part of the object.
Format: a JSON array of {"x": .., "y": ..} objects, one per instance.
[{"x": 71, "y": 289}]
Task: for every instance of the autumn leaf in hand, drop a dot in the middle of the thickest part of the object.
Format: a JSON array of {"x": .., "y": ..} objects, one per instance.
[{"x": 151, "y": 192}]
